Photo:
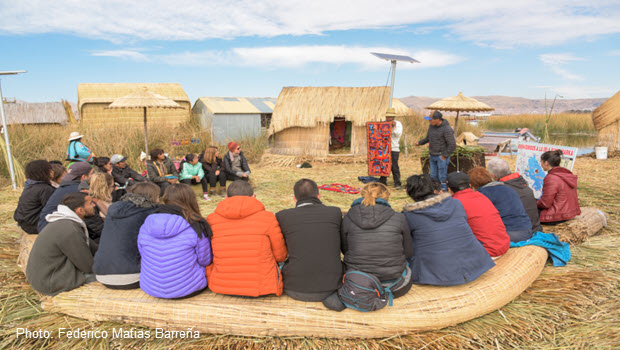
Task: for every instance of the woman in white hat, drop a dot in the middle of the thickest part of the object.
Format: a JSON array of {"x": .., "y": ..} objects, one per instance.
[{"x": 77, "y": 151}]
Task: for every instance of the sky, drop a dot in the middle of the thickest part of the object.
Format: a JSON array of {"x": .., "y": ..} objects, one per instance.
[{"x": 522, "y": 48}]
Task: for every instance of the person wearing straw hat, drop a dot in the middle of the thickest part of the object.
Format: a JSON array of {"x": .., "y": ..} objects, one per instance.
[
  {"x": 77, "y": 151},
  {"x": 397, "y": 131},
  {"x": 441, "y": 145}
]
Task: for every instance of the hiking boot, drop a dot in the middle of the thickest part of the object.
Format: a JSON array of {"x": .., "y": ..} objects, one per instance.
[
  {"x": 398, "y": 188},
  {"x": 212, "y": 192},
  {"x": 206, "y": 197},
  {"x": 221, "y": 191}
]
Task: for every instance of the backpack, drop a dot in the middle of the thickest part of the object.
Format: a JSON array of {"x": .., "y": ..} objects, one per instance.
[{"x": 364, "y": 292}]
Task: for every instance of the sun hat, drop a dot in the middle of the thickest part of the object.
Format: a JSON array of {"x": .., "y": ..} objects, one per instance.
[{"x": 75, "y": 136}]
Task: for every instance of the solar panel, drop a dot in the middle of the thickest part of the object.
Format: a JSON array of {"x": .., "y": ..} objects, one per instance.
[{"x": 389, "y": 57}]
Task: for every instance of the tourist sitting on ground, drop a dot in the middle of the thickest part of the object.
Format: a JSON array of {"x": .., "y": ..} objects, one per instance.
[
  {"x": 175, "y": 247},
  {"x": 77, "y": 173},
  {"x": 445, "y": 250},
  {"x": 61, "y": 258},
  {"x": 506, "y": 201},
  {"x": 235, "y": 164},
  {"x": 214, "y": 170},
  {"x": 117, "y": 262},
  {"x": 77, "y": 151},
  {"x": 375, "y": 239},
  {"x": 58, "y": 172},
  {"x": 559, "y": 201},
  {"x": 311, "y": 231},
  {"x": 482, "y": 216},
  {"x": 37, "y": 191},
  {"x": 247, "y": 245},
  {"x": 161, "y": 170},
  {"x": 101, "y": 186},
  {"x": 123, "y": 174},
  {"x": 500, "y": 170},
  {"x": 102, "y": 165},
  {"x": 192, "y": 174}
]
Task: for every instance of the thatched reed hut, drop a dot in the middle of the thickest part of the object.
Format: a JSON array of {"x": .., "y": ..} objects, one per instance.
[
  {"x": 606, "y": 120},
  {"x": 401, "y": 109},
  {"x": 93, "y": 98},
  {"x": 234, "y": 118},
  {"x": 304, "y": 118},
  {"x": 43, "y": 113}
]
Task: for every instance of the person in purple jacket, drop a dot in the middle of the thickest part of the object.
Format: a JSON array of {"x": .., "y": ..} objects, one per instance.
[{"x": 175, "y": 246}]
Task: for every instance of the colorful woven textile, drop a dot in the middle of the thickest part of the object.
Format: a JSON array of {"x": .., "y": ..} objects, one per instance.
[
  {"x": 379, "y": 148},
  {"x": 340, "y": 188}
]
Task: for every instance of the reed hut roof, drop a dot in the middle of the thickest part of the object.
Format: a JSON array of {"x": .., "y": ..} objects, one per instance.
[
  {"x": 107, "y": 93},
  {"x": 310, "y": 106},
  {"x": 37, "y": 113},
  {"x": 239, "y": 105},
  {"x": 607, "y": 113},
  {"x": 460, "y": 103}
]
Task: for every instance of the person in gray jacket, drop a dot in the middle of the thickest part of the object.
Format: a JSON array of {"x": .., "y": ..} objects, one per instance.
[
  {"x": 441, "y": 145},
  {"x": 61, "y": 258},
  {"x": 161, "y": 170},
  {"x": 375, "y": 239}
]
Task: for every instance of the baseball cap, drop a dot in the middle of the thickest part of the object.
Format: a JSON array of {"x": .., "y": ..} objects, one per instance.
[
  {"x": 435, "y": 115},
  {"x": 78, "y": 169},
  {"x": 457, "y": 179},
  {"x": 117, "y": 158}
]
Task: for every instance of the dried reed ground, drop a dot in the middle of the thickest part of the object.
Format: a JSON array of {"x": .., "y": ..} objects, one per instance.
[{"x": 573, "y": 307}]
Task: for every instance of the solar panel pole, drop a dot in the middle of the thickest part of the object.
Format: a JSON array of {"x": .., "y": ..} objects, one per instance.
[
  {"x": 6, "y": 130},
  {"x": 392, "y": 88}
]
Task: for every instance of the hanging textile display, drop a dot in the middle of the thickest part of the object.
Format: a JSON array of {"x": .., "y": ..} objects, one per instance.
[{"x": 379, "y": 148}]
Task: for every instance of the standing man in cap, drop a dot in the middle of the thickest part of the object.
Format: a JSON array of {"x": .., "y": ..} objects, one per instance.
[
  {"x": 122, "y": 173},
  {"x": 77, "y": 151},
  {"x": 441, "y": 145},
  {"x": 397, "y": 131},
  {"x": 77, "y": 173},
  {"x": 235, "y": 163}
]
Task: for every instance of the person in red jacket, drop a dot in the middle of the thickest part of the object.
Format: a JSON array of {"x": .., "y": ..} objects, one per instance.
[
  {"x": 482, "y": 216},
  {"x": 247, "y": 245},
  {"x": 559, "y": 201}
]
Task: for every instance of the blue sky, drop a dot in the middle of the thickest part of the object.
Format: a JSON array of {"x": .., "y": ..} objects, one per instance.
[{"x": 241, "y": 48}]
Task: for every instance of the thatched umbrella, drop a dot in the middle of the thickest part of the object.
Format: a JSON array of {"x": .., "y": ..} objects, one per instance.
[
  {"x": 144, "y": 99},
  {"x": 459, "y": 104}
]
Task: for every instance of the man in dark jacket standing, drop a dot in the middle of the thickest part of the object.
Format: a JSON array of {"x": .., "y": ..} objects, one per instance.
[
  {"x": 62, "y": 255},
  {"x": 77, "y": 173},
  {"x": 441, "y": 145},
  {"x": 500, "y": 170},
  {"x": 122, "y": 173},
  {"x": 312, "y": 233}
]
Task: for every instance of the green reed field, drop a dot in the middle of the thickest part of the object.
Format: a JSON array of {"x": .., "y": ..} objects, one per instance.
[{"x": 561, "y": 123}]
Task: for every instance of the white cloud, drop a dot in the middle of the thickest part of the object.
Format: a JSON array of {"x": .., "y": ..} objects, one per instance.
[
  {"x": 614, "y": 53},
  {"x": 292, "y": 57},
  {"x": 499, "y": 23},
  {"x": 555, "y": 61}
]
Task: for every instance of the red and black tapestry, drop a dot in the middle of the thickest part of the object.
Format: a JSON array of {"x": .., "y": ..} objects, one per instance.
[{"x": 379, "y": 148}]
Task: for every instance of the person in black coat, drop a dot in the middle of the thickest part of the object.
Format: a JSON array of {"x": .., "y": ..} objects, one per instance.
[
  {"x": 77, "y": 172},
  {"x": 235, "y": 164},
  {"x": 122, "y": 173},
  {"x": 500, "y": 170},
  {"x": 375, "y": 239},
  {"x": 214, "y": 169},
  {"x": 117, "y": 262},
  {"x": 37, "y": 192},
  {"x": 311, "y": 231}
]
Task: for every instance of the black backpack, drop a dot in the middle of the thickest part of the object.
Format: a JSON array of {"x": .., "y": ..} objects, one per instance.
[{"x": 364, "y": 292}]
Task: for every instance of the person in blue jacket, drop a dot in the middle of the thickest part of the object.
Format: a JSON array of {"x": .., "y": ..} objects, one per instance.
[
  {"x": 445, "y": 250},
  {"x": 506, "y": 200},
  {"x": 77, "y": 151}
]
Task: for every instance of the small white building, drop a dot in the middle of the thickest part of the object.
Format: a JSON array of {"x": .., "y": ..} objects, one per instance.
[{"x": 234, "y": 118}]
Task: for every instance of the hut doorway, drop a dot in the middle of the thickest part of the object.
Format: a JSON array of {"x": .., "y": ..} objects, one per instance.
[{"x": 340, "y": 136}]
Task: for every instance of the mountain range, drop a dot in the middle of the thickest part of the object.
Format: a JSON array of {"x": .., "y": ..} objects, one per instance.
[{"x": 515, "y": 105}]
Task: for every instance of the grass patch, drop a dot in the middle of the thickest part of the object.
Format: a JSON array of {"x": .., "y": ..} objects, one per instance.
[{"x": 560, "y": 123}]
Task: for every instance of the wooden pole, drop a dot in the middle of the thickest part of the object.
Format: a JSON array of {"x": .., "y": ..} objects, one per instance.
[
  {"x": 456, "y": 125},
  {"x": 146, "y": 140}
]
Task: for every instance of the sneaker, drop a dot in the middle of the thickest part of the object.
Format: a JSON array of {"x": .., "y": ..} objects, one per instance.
[
  {"x": 206, "y": 197},
  {"x": 398, "y": 188}
]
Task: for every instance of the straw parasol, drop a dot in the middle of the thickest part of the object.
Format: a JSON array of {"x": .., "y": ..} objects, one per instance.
[
  {"x": 459, "y": 104},
  {"x": 144, "y": 99}
]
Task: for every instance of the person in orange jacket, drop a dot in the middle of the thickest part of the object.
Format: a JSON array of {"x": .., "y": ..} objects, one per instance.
[{"x": 247, "y": 245}]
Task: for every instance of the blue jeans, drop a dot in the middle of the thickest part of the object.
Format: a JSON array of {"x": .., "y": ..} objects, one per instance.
[{"x": 439, "y": 170}]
